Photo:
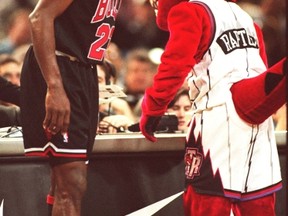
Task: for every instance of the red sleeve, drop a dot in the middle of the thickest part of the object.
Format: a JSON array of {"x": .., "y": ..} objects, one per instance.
[
  {"x": 190, "y": 30},
  {"x": 262, "y": 50}
]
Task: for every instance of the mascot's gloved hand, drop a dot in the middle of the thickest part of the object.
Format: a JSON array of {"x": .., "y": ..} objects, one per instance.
[{"x": 148, "y": 125}]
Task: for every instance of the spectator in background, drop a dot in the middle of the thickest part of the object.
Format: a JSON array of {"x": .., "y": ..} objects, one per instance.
[
  {"x": 115, "y": 114},
  {"x": 274, "y": 29},
  {"x": 280, "y": 118},
  {"x": 17, "y": 31},
  {"x": 114, "y": 55},
  {"x": 138, "y": 75},
  {"x": 181, "y": 107},
  {"x": 9, "y": 92},
  {"x": 10, "y": 69},
  {"x": 254, "y": 10},
  {"x": 118, "y": 106},
  {"x": 139, "y": 68},
  {"x": 136, "y": 27}
]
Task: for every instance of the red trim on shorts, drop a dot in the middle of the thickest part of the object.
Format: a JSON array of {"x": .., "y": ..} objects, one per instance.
[
  {"x": 50, "y": 199},
  {"x": 50, "y": 150}
]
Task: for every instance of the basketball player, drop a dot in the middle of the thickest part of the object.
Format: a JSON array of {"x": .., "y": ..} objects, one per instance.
[
  {"x": 59, "y": 87},
  {"x": 231, "y": 155}
]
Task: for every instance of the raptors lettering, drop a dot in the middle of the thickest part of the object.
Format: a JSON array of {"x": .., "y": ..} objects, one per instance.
[{"x": 235, "y": 39}]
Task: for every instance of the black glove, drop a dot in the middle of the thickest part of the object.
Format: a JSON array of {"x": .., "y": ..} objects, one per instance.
[{"x": 148, "y": 125}]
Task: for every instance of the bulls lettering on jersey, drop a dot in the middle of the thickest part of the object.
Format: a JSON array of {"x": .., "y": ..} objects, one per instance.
[
  {"x": 87, "y": 35},
  {"x": 105, "y": 31}
]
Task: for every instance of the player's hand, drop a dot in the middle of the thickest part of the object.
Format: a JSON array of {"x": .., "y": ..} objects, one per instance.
[
  {"x": 148, "y": 125},
  {"x": 57, "y": 106}
]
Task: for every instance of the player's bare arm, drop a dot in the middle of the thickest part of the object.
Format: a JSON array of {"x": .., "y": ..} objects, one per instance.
[{"x": 42, "y": 29}]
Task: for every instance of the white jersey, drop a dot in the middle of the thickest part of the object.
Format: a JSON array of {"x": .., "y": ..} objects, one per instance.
[{"x": 225, "y": 155}]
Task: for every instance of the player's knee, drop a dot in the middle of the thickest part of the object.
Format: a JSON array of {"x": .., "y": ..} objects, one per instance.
[
  {"x": 71, "y": 181},
  {"x": 72, "y": 188}
]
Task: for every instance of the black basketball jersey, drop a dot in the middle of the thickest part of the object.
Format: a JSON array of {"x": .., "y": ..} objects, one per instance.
[{"x": 85, "y": 29}]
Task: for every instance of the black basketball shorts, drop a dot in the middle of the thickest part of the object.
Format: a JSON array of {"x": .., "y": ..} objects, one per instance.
[{"x": 81, "y": 85}]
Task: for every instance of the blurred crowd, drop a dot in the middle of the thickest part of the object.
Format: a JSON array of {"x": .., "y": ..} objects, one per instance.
[{"x": 131, "y": 59}]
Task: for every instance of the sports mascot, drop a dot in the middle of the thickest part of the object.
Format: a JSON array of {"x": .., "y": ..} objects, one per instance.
[{"x": 231, "y": 159}]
